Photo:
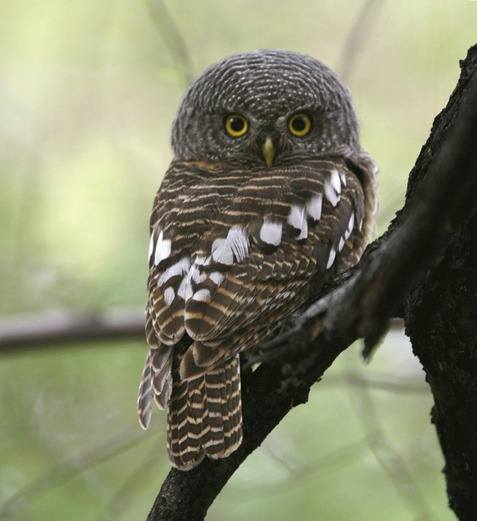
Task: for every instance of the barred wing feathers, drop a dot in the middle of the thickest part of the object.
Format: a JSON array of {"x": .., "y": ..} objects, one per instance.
[
  {"x": 232, "y": 255},
  {"x": 260, "y": 252}
]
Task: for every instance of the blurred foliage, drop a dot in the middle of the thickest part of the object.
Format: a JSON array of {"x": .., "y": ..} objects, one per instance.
[{"x": 88, "y": 92}]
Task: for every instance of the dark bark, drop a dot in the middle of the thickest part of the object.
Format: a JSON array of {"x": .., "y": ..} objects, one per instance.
[
  {"x": 441, "y": 319},
  {"x": 424, "y": 252}
]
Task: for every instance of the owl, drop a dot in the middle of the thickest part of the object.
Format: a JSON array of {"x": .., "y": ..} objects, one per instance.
[{"x": 269, "y": 193}]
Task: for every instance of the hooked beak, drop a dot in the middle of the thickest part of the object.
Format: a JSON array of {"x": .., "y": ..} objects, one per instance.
[{"x": 268, "y": 151}]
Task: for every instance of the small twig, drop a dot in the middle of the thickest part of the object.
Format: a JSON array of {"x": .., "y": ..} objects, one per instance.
[
  {"x": 173, "y": 39},
  {"x": 355, "y": 40},
  {"x": 345, "y": 455},
  {"x": 386, "y": 455},
  {"x": 387, "y": 383}
]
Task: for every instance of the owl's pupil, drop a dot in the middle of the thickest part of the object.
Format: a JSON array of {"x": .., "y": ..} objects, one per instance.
[
  {"x": 299, "y": 124},
  {"x": 237, "y": 124}
]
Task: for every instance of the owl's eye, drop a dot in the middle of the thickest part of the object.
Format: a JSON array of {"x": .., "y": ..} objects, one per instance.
[
  {"x": 236, "y": 125},
  {"x": 299, "y": 125}
]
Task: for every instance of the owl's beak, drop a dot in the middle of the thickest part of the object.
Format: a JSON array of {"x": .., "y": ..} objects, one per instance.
[{"x": 268, "y": 151}]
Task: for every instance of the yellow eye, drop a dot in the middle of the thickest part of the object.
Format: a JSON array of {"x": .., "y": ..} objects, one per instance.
[
  {"x": 236, "y": 125},
  {"x": 299, "y": 125}
]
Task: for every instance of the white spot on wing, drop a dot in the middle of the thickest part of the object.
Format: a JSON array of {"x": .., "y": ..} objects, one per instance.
[
  {"x": 185, "y": 288},
  {"x": 350, "y": 226},
  {"x": 331, "y": 194},
  {"x": 238, "y": 242},
  {"x": 151, "y": 246},
  {"x": 351, "y": 222},
  {"x": 169, "y": 296},
  {"x": 216, "y": 277},
  {"x": 304, "y": 231},
  {"x": 314, "y": 205},
  {"x": 335, "y": 181},
  {"x": 180, "y": 267},
  {"x": 193, "y": 274},
  {"x": 297, "y": 219},
  {"x": 163, "y": 249},
  {"x": 222, "y": 252},
  {"x": 296, "y": 216},
  {"x": 202, "y": 261},
  {"x": 203, "y": 295},
  {"x": 271, "y": 233},
  {"x": 343, "y": 178},
  {"x": 331, "y": 258}
]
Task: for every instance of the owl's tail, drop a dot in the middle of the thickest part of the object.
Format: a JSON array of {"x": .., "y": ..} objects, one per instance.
[{"x": 205, "y": 416}]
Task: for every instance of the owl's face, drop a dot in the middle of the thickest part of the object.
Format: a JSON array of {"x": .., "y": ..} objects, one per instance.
[{"x": 263, "y": 108}]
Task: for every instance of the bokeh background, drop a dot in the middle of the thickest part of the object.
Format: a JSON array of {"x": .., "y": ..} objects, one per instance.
[{"x": 88, "y": 92}]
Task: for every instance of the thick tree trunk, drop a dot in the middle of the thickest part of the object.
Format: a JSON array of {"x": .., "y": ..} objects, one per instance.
[{"x": 441, "y": 320}]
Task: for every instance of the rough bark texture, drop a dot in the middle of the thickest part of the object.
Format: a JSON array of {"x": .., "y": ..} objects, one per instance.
[
  {"x": 424, "y": 266},
  {"x": 442, "y": 322},
  {"x": 441, "y": 319}
]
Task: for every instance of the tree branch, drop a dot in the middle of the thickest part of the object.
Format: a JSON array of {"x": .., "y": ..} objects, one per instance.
[
  {"x": 57, "y": 328},
  {"x": 60, "y": 327},
  {"x": 440, "y": 198}
]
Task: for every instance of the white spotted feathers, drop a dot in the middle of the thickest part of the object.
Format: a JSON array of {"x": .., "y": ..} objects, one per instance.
[
  {"x": 162, "y": 248},
  {"x": 198, "y": 276},
  {"x": 234, "y": 246},
  {"x": 314, "y": 206},
  {"x": 228, "y": 264},
  {"x": 271, "y": 232},
  {"x": 332, "y": 187}
]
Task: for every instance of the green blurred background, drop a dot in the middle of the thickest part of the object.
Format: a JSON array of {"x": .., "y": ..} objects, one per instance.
[{"x": 88, "y": 92}]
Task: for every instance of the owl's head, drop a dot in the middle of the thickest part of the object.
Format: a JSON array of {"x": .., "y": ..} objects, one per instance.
[{"x": 264, "y": 107}]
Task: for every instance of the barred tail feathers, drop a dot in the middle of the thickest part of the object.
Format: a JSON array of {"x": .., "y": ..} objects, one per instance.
[
  {"x": 156, "y": 383},
  {"x": 205, "y": 416},
  {"x": 144, "y": 398}
]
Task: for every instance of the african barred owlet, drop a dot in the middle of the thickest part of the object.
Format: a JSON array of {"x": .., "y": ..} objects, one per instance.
[{"x": 268, "y": 191}]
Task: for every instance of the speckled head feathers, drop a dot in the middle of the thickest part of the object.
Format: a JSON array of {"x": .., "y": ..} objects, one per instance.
[{"x": 266, "y": 86}]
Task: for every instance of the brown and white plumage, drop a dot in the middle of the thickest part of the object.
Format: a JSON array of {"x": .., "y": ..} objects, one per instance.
[{"x": 234, "y": 248}]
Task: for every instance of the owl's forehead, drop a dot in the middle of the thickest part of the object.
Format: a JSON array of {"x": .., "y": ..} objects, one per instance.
[
  {"x": 264, "y": 95},
  {"x": 265, "y": 84}
]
